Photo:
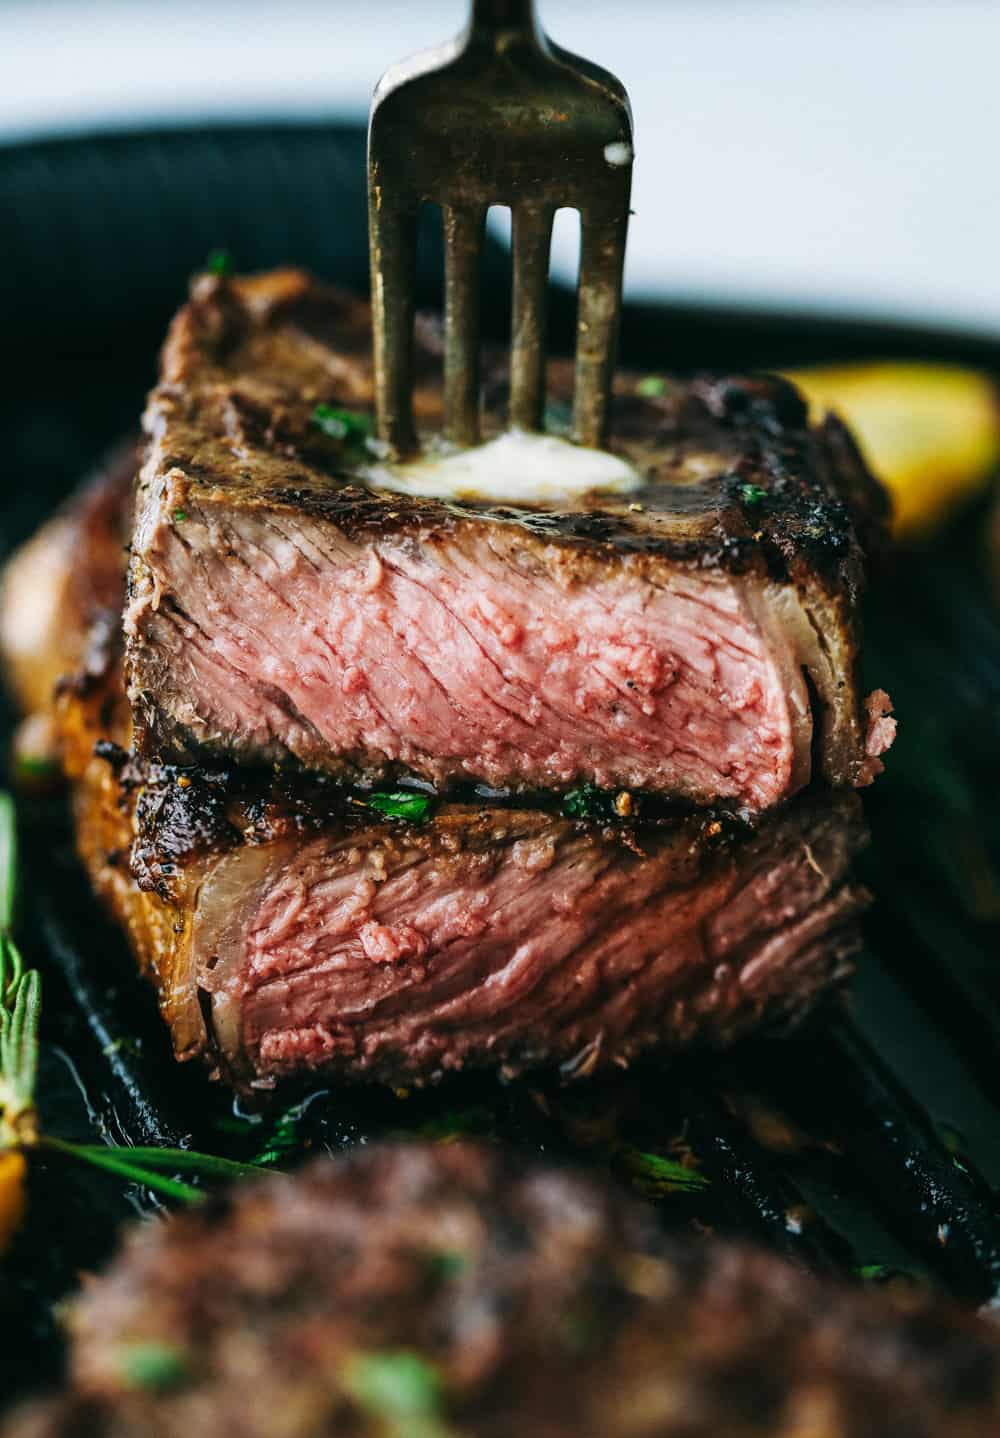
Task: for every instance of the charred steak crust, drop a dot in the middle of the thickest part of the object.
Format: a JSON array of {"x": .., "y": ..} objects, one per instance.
[
  {"x": 488, "y": 936},
  {"x": 240, "y": 487},
  {"x": 288, "y": 928},
  {"x": 528, "y": 1298}
]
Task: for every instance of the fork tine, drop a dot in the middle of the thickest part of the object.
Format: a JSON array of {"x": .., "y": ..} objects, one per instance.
[
  {"x": 463, "y": 243},
  {"x": 531, "y": 240},
  {"x": 393, "y": 239},
  {"x": 602, "y": 258}
]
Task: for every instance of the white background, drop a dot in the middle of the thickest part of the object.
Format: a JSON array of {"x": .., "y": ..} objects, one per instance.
[{"x": 837, "y": 155}]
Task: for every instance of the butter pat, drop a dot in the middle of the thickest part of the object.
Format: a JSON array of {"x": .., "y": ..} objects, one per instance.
[{"x": 515, "y": 468}]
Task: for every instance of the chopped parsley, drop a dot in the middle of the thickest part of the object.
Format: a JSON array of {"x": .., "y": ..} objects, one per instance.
[
  {"x": 342, "y": 424},
  {"x": 752, "y": 494},
  {"x": 446, "y": 1264},
  {"x": 180, "y": 515},
  {"x": 399, "y": 1388},
  {"x": 401, "y": 804},
  {"x": 587, "y": 802},
  {"x": 153, "y": 1366},
  {"x": 219, "y": 262},
  {"x": 658, "y": 1174},
  {"x": 651, "y": 386},
  {"x": 284, "y": 1137}
]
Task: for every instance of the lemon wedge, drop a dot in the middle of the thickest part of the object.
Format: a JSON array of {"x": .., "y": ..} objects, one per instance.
[{"x": 931, "y": 433}]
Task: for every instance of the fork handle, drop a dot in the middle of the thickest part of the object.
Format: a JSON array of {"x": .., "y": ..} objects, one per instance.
[{"x": 489, "y": 16}]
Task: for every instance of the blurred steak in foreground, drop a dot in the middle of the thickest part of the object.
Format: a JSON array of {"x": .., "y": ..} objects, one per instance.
[
  {"x": 456, "y": 1290},
  {"x": 289, "y": 927},
  {"x": 697, "y": 636}
]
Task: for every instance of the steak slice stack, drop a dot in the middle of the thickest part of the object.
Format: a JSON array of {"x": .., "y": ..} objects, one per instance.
[
  {"x": 697, "y": 636},
  {"x": 457, "y": 1290},
  {"x": 289, "y": 926},
  {"x": 626, "y": 729}
]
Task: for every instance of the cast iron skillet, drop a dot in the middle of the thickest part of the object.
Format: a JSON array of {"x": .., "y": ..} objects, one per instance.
[{"x": 872, "y": 1143}]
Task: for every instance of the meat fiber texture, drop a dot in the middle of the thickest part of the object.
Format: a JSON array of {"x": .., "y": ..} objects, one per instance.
[
  {"x": 289, "y": 928},
  {"x": 697, "y": 638},
  {"x": 461, "y": 1290}
]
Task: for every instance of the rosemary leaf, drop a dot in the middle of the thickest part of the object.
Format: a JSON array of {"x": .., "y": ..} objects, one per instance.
[
  {"x": 108, "y": 1158},
  {"x": 11, "y": 969},
  {"x": 24, "y": 1035},
  {"x": 8, "y": 867},
  {"x": 183, "y": 1160}
]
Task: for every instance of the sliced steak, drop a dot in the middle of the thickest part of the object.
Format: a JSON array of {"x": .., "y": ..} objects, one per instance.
[
  {"x": 288, "y": 934},
  {"x": 696, "y": 637},
  {"x": 289, "y": 927},
  {"x": 437, "y": 1291},
  {"x": 65, "y": 581}
]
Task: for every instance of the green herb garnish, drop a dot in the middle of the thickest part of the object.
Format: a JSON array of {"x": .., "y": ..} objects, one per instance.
[
  {"x": 155, "y": 1367},
  {"x": 20, "y": 1011},
  {"x": 401, "y": 804},
  {"x": 342, "y": 424},
  {"x": 283, "y": 1138},
  {"x": 874, "y": 1272},
  {"x": 219, "y": 262},
  {"x": 400, "y": 1390},
  {"x": 587, "y": 802},
  {"x": 449, "y": 1263},
  {"x": 651, "y": 386},
  {"x": 180, "y": 515},
  {"x": 658, "y": 1174},
  {"x": 752, "y": 494}
]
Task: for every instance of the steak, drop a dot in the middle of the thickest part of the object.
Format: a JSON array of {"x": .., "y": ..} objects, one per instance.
[
  {"x": 65, "y": 584},
  {"x": 288, "y": 926},
  {"x": 697, "y": 637},
  {"x": 418, "y": 1290}
]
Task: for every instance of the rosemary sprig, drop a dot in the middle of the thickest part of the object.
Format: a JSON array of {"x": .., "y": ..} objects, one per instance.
[
  {"x": 20, "y": 1010},
  {"x": 20, "y": 1015},
  {"x": 113, "y": 1160}
]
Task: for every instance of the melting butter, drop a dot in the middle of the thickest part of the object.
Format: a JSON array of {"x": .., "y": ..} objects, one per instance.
[{"x": 515, "y": 468}]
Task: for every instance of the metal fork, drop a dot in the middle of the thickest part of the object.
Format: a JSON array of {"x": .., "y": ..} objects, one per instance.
[{"x": 500, "y": 116}]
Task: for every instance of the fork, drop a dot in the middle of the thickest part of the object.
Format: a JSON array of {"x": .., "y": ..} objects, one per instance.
[{"x": 499, "y": 116}]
